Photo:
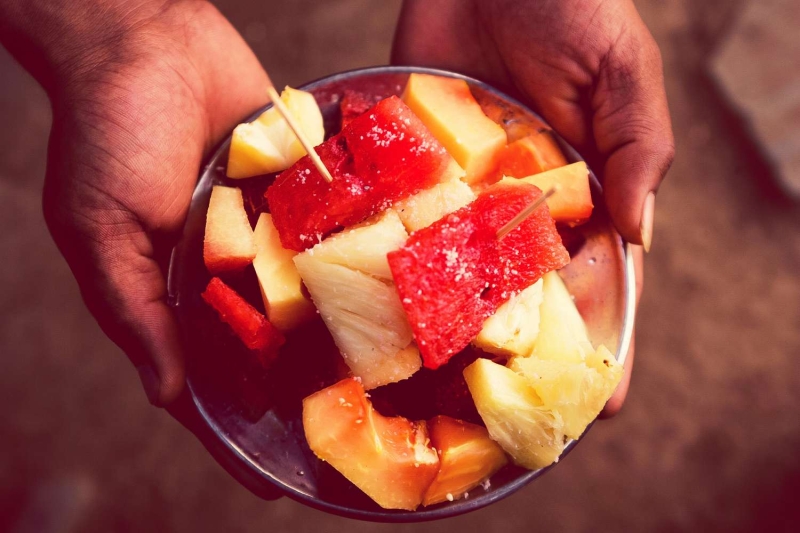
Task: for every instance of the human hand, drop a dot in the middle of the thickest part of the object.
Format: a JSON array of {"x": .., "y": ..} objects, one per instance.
[
  {"x": 140, "y": 90},
  {"x": 593, "y": 71}
]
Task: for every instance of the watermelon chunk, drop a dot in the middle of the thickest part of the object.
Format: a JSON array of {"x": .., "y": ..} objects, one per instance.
[
  {"x": 453, "y": 275},
  {"x": 250, "y": 326},
  {"x": 382, "y": 156},
  {"x": 354, "y": 104}
]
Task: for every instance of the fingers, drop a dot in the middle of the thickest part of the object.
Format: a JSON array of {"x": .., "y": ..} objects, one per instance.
[
  {"x": 614, "y": 404},
  {"x": 234, "y": 81},
  {"x": 633, "y": 132},
  {"x": 124, "y": 288}
]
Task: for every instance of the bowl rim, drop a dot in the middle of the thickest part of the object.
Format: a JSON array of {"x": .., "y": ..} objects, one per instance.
[{"x": 460, "y": 506}]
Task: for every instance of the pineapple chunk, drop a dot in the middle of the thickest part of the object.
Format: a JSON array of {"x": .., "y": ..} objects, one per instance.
[
  {"x": 513, "y": 329},
  {"x": 349, "y": 280},
  {"x": 364, "y": 248},
  {"x": 515, "y": 415},
  {"x": 576, "y": 391},
  {"x": 428, "y": 206},
  {"x": 562, "y": 332},
  {"x": 268, "y": 144},
  {"x": 281, "y": 287}
]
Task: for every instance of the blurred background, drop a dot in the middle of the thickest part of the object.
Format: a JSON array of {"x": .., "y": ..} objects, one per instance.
[{"x": 709, "y": 437}]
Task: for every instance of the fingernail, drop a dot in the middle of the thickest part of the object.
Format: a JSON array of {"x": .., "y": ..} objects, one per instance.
[
  {"x": 150, "y": 382},
  {"x": 646, "y": 225}
]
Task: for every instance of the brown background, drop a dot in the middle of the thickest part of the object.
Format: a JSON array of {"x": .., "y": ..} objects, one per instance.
[{"x": 708, "y": 441}]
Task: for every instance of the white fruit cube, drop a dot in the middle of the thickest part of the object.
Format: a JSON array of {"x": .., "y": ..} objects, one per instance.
[
  {"x": 228, "y": 243},
  {"x": 428, "y": 206},
  {"x": 513, "y": 329},
  {"x": 348, "y": 278}
]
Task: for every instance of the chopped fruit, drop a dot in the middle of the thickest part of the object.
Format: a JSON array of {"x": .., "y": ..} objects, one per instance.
[
  {"x": 453, "y": 172},
  {"x": 250, "y": 326},
  {"x": 514, "y": 414},
  {"x": 576, "y": 391},
  {"x": 381, "y": 157},
  {"x": 455, "y": 274},
  {"x": 530, "y": 155},
  {"x": 513, "y": 329},
  {"x": 354, "y": 104},
  {"x": 467, "y": 457},
  {"x": 387, "y": 458},
  {"x": 428, "y": 206},
  {"x": 349, "y": 280},
  {"x": 572, "y": 203},
  {"x": 268, "y": 144},
  {"x": 455, "y": 118},
  {"x": 562, "y": 332},
  {"x": 281, "y": 287},
  {"x": 364, "y": 247},
  {"x": 228, "y": 243}
]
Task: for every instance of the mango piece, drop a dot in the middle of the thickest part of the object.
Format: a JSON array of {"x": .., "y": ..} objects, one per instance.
[
  {"x": 455, "y": 118},
  {"x": 572, "y": 204},
  {"x": 467, "y": 457},
  {"x": 386, "y": 457},
  {"x": 531, "y": 154}
]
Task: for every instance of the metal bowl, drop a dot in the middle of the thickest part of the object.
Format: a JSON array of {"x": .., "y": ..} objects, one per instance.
[{"x": 252, "y": 421}]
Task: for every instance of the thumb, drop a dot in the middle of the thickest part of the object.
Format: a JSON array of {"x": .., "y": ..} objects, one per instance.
[{"x": 633, "y": 134}]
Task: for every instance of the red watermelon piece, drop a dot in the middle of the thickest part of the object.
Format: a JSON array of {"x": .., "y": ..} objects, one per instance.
[
  {"x": 355, "y": 104},
  {"x": 382, "y": 156},
  {"x": 250, "y": 326},
  {"x": 454, "y": 274}
]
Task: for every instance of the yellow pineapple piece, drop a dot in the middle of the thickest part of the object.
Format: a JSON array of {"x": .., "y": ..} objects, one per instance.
[
  {"x": 364, "y": 248},
  {"x": 576, "y": 391},
  {"x": 515, "y": 415},
  {"x": 428, "y": 206},
  {"x": 513, "y": 329},
  {"x": 562, "y": 332},
  {"x": 281, "y": 287},
  {"x": 348, "y": 278},
  {"x": 268, "y": 144}
]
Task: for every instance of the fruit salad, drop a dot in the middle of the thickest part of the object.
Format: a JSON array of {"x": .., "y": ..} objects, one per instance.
[{"x": 458, "y": 352}]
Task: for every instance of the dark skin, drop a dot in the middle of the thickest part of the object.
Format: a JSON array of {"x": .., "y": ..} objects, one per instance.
[
  {"x": 141, "y": 90},
  {"x": 593, "y": 71}
]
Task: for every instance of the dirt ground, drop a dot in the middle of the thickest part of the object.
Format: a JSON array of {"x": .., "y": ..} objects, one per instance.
[{"x": 708, "y": 440}]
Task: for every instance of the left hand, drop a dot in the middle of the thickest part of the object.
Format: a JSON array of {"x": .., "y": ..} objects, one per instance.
[{"x": 593, "y": 71}]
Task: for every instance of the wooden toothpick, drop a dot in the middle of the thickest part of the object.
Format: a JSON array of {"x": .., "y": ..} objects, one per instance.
[
  {"x": 287, "y": 116},
  {"x": 525, "y": 213}
]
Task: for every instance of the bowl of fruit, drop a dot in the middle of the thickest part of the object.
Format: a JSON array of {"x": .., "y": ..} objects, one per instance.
[{"x": 398, "y": 343}]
